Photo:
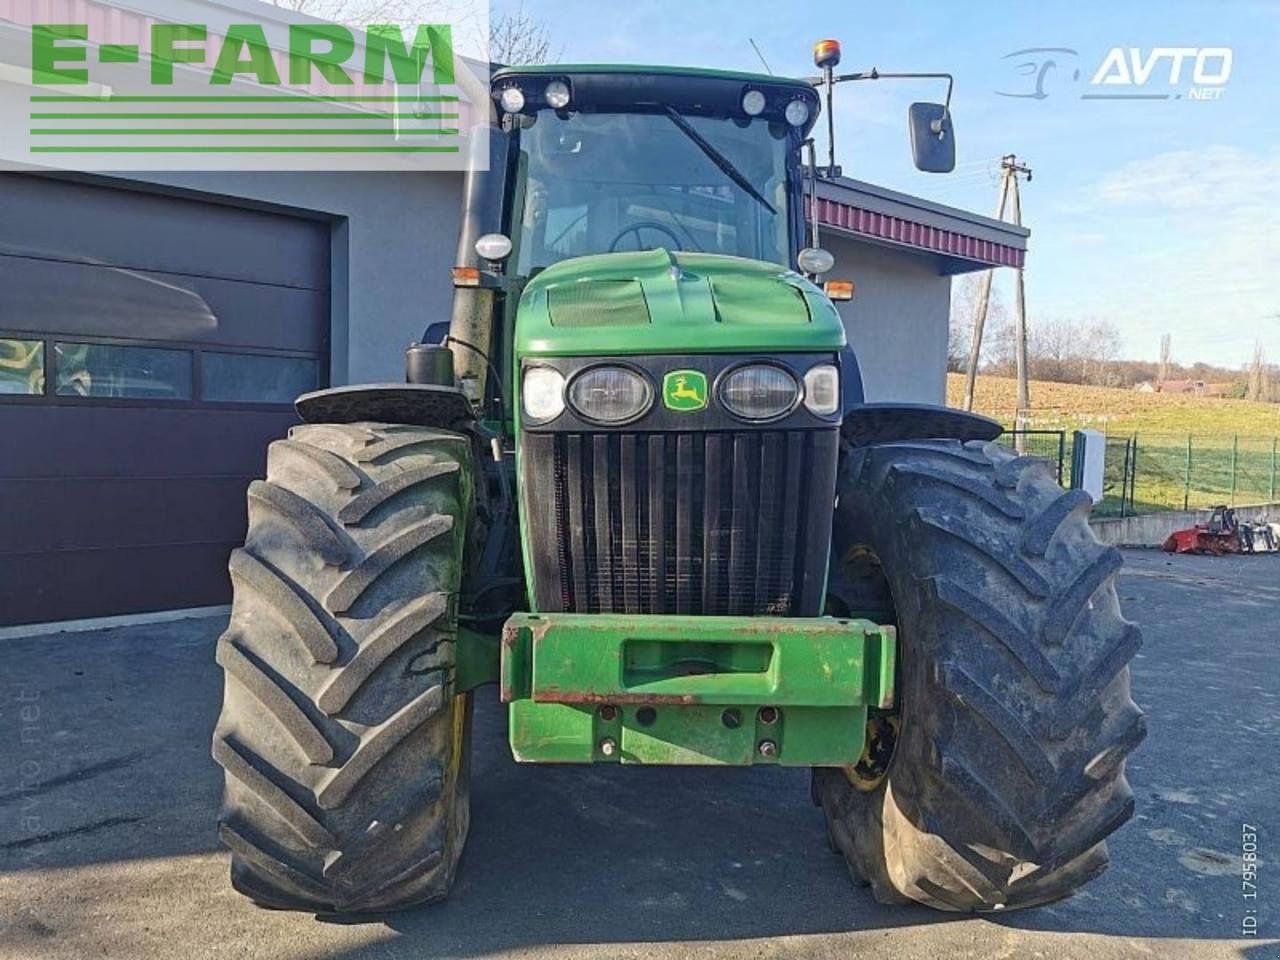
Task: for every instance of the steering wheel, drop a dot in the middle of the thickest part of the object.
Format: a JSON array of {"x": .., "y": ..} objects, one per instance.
[{"x": 644, "y": 225}]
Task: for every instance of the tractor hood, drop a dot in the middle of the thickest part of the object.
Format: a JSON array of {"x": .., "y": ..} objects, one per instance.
[{"x": 656, "y": 302}]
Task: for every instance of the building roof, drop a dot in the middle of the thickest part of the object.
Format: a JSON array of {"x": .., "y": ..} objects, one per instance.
[{"x": 962, "y": 241}]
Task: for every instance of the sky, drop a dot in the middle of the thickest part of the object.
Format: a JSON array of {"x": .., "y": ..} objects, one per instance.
[{"x": 1158, "y": 215}]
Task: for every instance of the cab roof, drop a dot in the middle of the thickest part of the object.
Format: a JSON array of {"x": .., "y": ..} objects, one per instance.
[{"x": 636, "y": 68}]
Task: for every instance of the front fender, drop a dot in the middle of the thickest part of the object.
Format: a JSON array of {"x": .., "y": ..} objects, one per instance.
[
  {"x": 416, "y": 404},
  {"x": 867, "y": 424}
]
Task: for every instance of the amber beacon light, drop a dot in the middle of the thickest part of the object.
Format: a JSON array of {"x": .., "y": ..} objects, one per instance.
[{"x": 826, "y": 53}]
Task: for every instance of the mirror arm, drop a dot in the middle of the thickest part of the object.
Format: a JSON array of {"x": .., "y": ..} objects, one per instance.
[
  {"x": 811, "y": 144},
  {"x": 874, "y": 74}
]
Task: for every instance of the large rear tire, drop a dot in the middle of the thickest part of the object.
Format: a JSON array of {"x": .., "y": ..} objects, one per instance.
[
  {"x": 344, "y": 745},
  {"x": 996, "y": 779}
]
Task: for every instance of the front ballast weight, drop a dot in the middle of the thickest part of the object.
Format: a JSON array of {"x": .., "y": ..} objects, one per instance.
[{"x": 637, "y": 689}]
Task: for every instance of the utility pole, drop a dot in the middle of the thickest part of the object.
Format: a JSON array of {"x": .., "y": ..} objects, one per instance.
[
  {"x": 1016, "y": 171},
  {"x": 982, "y": 304},
  {"x": 1011, "y": 171}
]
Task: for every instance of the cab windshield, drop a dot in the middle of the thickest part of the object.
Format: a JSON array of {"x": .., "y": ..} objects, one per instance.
[{"x": 606, "y": 182}]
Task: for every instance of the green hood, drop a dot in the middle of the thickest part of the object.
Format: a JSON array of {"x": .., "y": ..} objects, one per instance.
[{"x": 656, "y": 301}]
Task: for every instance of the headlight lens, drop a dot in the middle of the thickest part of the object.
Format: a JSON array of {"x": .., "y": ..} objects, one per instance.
[
  {"x": 557, "y": 94},
  {"x": 753, "y": 103},
  {"x": 543, "y": 394},
  {"x": 610, "y": 395},
  {"x": 822, "y": 390},
  {"x": 759, "y": 392},
  {"x": 512, "y": 99},
  {"x": 797, "y": 113}
]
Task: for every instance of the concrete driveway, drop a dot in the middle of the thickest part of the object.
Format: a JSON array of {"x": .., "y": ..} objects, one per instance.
[{"x": 108, "y": 799}]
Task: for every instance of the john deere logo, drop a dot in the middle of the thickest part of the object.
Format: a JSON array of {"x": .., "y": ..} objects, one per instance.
[{"x": 685, "y": 390}]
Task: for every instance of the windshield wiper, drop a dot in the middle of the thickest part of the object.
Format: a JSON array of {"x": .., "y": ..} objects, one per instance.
[{"x": 719, "y": 159}]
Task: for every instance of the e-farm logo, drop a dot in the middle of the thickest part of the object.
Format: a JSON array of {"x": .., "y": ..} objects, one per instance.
[
  {"x": 1125, "y": 73},
  {"x": 245, "y": 91},
  {"x": 314, "y": 49}
]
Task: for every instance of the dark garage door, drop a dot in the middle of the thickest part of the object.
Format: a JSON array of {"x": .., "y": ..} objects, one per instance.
[{"x": 150, "y": 348}]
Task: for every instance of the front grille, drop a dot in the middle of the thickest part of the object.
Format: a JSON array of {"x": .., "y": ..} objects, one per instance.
[{"x": 732, "y": 523}]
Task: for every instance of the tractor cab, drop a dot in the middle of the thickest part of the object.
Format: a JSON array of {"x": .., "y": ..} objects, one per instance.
[{"x": 610, "y": 159}]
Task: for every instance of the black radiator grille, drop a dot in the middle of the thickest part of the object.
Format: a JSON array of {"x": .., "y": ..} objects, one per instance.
[{"x": 694, "y": 523}]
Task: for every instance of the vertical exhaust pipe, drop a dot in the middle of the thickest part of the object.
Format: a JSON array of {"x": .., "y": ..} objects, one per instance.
[{"x": 471, "y": 327}]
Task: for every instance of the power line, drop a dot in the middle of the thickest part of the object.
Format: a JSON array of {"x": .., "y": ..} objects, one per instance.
[{"x": 989, "y": 161}]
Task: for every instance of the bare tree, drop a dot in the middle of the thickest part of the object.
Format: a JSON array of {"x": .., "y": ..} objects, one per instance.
[
  {"x": 362, "y": 12},
  {"x": 1259, "y": 385},
  {"x": 997, "y": 342},
  {"x": 1069, "y": 350},
  {"x": 1053, "y": 349},
  {"x": 1166, "y": 358},
  {"x": 1099, "y": 348},
  {"x": 518, "y": 36}
]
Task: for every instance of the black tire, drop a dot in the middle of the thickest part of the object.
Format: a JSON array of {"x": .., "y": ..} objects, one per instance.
[
  {"x": 1005, "y": 773},
  {"x": 344, "y": 746}
]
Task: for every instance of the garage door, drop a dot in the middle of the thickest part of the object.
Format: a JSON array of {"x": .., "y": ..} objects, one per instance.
[{"x": 150, "y": 349}]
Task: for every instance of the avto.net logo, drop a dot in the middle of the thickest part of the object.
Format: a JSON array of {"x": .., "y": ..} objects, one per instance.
[
  {"x": 246, "y": 87},
  {"x": 1123, "y": 73}
]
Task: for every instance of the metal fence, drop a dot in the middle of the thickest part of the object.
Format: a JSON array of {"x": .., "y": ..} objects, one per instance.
[
  {"x": 1050, "y": 445},
  {"x": 1153, "y": 472}
]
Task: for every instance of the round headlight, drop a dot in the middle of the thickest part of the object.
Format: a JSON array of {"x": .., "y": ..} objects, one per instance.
[
  {"x": 543, "y": 394},
  {"x": 557, "y": 94},
  {"x": 494, "y": 246},
  {"x": 512, "y": 99},
  {"x": 815, "y": 260},
  {"x": 797, "y": 113},
  {"x": 753, "y": 103},
  {"x": 759, "y": 392},
  {"x": 610, "y": 395},
  {"x": 822, "y": 390}
]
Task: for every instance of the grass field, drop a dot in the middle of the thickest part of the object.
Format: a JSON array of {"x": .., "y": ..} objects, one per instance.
[
  {"x": 1191, "y": 451},
  {"x": 1059, "y": 406}
]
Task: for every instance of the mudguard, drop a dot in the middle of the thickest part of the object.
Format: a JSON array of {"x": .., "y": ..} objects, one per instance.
[
  {"x": 421, "y": 405},
  {"x": 867, "y": 424}
]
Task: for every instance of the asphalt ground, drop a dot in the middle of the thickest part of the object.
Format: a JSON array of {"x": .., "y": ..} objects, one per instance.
[{"x": 108, "y": 799}]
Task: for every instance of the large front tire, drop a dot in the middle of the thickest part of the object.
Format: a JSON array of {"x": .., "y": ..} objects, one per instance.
[
  {"x": 997, "y": 778},
  {"x": 343, "y": 742}
]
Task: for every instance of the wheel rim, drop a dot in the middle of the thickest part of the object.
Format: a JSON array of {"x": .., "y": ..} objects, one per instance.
[{"x": 867, "y": 593}]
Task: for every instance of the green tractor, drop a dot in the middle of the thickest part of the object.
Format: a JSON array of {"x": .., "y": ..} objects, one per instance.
[{"x": 635, "y": 482}]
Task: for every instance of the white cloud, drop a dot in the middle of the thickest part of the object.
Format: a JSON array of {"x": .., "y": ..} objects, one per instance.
[
  {"x": 1186, "y": 242},
  {"x": 1219, "y": 177}
]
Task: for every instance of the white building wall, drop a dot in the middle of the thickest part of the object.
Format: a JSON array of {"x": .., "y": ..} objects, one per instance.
[{"x": 897, "y": 320}]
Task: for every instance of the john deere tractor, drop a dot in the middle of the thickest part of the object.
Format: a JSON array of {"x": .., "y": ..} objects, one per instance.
[{"x": 634, "y": 481}]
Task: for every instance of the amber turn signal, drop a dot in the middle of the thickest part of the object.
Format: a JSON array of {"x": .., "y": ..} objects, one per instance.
[{"x": 839, "y": 289}]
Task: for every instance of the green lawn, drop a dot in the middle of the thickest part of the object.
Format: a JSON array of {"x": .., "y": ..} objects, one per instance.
[{"x": 1234, "y": 451}]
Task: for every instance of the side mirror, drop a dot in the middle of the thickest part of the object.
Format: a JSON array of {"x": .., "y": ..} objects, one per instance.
[{"x": 933, "y": 140}]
